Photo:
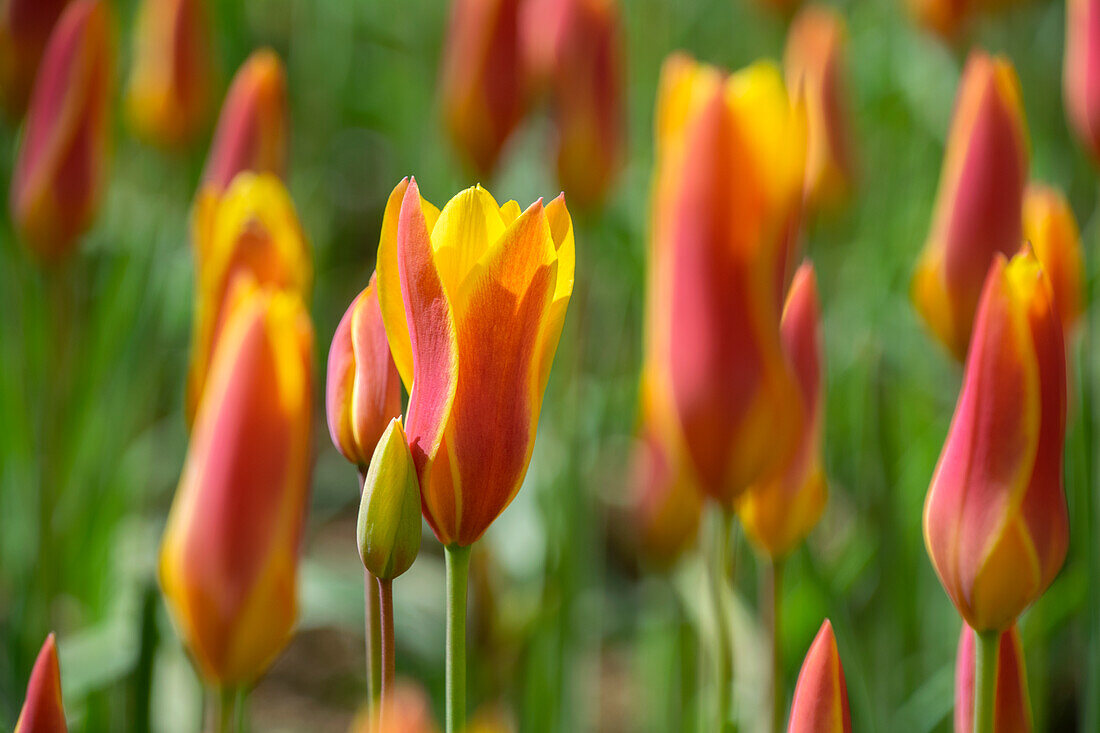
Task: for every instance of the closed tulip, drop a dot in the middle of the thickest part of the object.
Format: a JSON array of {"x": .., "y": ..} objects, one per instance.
[
  {"x": 60, "y": 171},
  {"x": 1081, "y": 64},
  {"x": 42, "y": 709},
  {"x": 482, "y": 82},
  {"x": 251, "y": 134},
  {"x": 820, "y": 702},
  {"x": 171, "y": 85},
  {"x": 25, "y": 27},
  {"x": 229, "y": 555},
  {"x": 473, "y": 304},
  {"x": 363, "y": 389},
  {"x": 728, "y": 182},
  {"x": 1051, "y": 228},
  {"x": 980, "y": 199},
  {"x": 995, "y": 520},
  {"x": 1012, "y": 710},
  {"x": 814, "y": 62},
  {"x": 779, "y": 512},
  {"x": 251, "y": 229},
  {"x": 945, "y": 18},
  {"x": 388, "y": 530}
]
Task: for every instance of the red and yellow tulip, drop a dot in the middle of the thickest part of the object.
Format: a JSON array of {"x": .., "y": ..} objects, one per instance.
[
  {"x": 820, "y": 702},
  {"x": 42, "y": 709},
  {"x": 25, "y": 27},
  {"x": 780, "y": 511},
  {"x": 473, "y": 299},
  {"x": 229, "y": 555},
  {"x": 995, "y": 520},
  {"x": 1081, "y": 72},
  {"x": 1012, "y": 709},
  {"x": 1051, "y": 228},
  {"x": 170, "y": 91},
  {"x": 60, "y": 173},
  {"x": 727, "y": 187},
  {"x": 980, "y": 200}
]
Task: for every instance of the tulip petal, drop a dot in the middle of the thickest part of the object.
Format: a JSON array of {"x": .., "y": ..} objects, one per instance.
[
  {"x": 468, "y": 224},
  {"x": 821, "y": 695},
  {"x": 42, "y": 710}
]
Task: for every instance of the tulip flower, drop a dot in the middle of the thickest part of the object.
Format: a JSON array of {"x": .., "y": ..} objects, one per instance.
[
  {"x": 229, "y": 555},
  {"x": 25, "y": 27},
  {"x": 171, "y": 85},
  {"x": 1080, "y": 83},
  {"x": 252, "y": 228},
  {"x": 251, "y": 134},
  {"x": 995, "y": 520},
  {"x": 728, "y": 182},
  {"x": 979, "y": 204},
  {"x": 482, "y": 84},
  {"x": 60, "y": 171},
  {"x": 779, "y": 512},
  {"x": 945, "y": 18},
  {"x": 1012, "y": 711},
  {"x": 821, "y": 696},
  {"x": 574, "y": 46},
  {"x": 42, "y": 709},
  {"x": 363, "y": 386},
  {"x": 815, "y": 68},
  {"x": 1051, "y": 228}
]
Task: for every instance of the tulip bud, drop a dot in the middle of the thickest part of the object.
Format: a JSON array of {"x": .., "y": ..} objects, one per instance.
[
  {"x": 363, "y": 387},
  {"x": 251, "y": 134},
  {"x": 946, "y": 18},
  {"x": 171, "y": 85},
  {"x": 25, "y": 27},
  {"x": 1080, "y": 83},
  {"x": 575, "y": 47},
  {"x": 1011, "y": 709},
  {"x": 820, "y": 702},
  {"x": 388, "y": 531},
  {"x": 995, "y": 520},
  {"x": 779, "y": 512},
  {"x": 979, "y": 204},
  {"x": 481, "y": 82},
  {"x": 42, "y": 709},
  {"x": 251, "y": 229},
  {"x": 229, "y": 556},
  {"x": 1050, "y": 227},
  {"x": 728, "y": 181},
  {"x": 60, "y": 172},
  {"x": 815, "y": 68}
]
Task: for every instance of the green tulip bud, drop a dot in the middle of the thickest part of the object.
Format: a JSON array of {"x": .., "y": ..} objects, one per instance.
[{"x": 388, "y": 531}]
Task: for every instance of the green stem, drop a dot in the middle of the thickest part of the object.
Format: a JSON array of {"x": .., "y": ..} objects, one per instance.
[
  {"x": 985, "y": 680},
  {"x": 242, "y": 710},
  {"x": 719, "y": 573},
  {"x": 771, "y": 601},
  {"x": 458, "y": 571},
  {"x": 226, "y": 702},
  {"x": 389, "y": 658}
]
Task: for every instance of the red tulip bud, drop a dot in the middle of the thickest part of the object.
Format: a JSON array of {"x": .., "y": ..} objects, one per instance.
[
  {"x": 25, "y": 27},
  {"x": 821, "y": 696},
  {"x": 42, "y": 709}
]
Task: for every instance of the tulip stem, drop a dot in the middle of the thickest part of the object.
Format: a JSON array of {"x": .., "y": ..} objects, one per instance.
[
  {"x": 389, "y": 659},
  {"x": 719, "y": 569},
  {"x": 985, "y": 680},
  {"x": 227, "y": 698},
  {"x": 458, "y": 571},
  {"x": 772, "y": 600},
  {"x": 373, "y": 632}
]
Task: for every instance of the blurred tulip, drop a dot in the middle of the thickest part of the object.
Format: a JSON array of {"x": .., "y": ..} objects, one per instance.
[
  {"x": 60, "y": 173},
  {"x": 482, "y": 85},
  {"x": 251, "y": 229},
  {"x": 979, "y": 204},
  {"x": 1051, "y": 228},
  {"x": 363, "y": 390},
  {"x": 42, "y": 709},
  {"x": 25, "y": 27},
  {"x": 1080, "y": 79},
  {"x": 171, "y": 86},
  {"x": 728, "y": 181},
  {"x": 407, "y": 710},
  {"x": 820, "y": 702},
  {"x": 945, "y": 18},
  {"x": 1012, "y": 710},
  {"x": 229, "y": 556},
  {"x": 473, "y": 304},
  {"x": 815, "y": 66},
  {"x": 388, "y": 530},
  {"x": 251, "y": 134},
  {"x": 575, "y": 47},
  {"x": 995, "y": 520},
  {"x": 780, "y": 511}
]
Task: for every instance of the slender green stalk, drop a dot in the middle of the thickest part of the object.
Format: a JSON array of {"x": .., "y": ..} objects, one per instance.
[
  {"x": 771, "y": 602},
  {"x": 985, "y": 680},
  {"x": 373, "y": 630},
  {"x": 389, "y": 653},
  {"x": 719, "y": 574},
  {"x": 242, "y": 710},
  {"x": 458, "y": 571},
  {"x": 227, "y": 698}
]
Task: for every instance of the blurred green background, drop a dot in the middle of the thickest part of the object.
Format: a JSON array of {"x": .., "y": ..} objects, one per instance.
[{"x": 567, "y": 632}]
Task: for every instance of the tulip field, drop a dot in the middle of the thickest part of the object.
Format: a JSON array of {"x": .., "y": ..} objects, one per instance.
[{"x": 540, "y": 366}]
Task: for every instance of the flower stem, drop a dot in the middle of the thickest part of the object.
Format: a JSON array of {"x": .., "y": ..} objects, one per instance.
[
  {"x": 985, "y": 680},
  {"x": 771, "y": 601},
  {"x": 227, "y": 698},
  {"x": 458, "y": 570},
  {"x": 719, "y": 570},
  {"x": 389, "y": 659}
]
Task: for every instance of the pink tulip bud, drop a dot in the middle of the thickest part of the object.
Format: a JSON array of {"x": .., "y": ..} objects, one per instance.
[
  {"x": 1081, "y": 72},
  {"x": 1051, "y": 228},
  {"x": 25, "y": 27},
  {"x": 821, "y": 696},
  {"x": 42, "y": 709},
  {"x": 1012, "y": 711}
]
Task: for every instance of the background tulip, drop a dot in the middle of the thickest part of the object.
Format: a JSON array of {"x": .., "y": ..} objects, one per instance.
[
  {"x": 980, "y": 199},
  {"x": 1080, "y": 83},
  {"x": 943, "y": 17},
  {"x": 42, "y": 709},
  {"x": 60, "y": 172},
  {"x": 995, "y": 520},
  {"x": 1012, "y": 712},
  {"x": 229, "y": 555},
  {"x": 1051, "y": 228},
  {"x": 171, "y": 85},
  {"x": 25, "y": 27},
  {"x": 821, "y": 696}
]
